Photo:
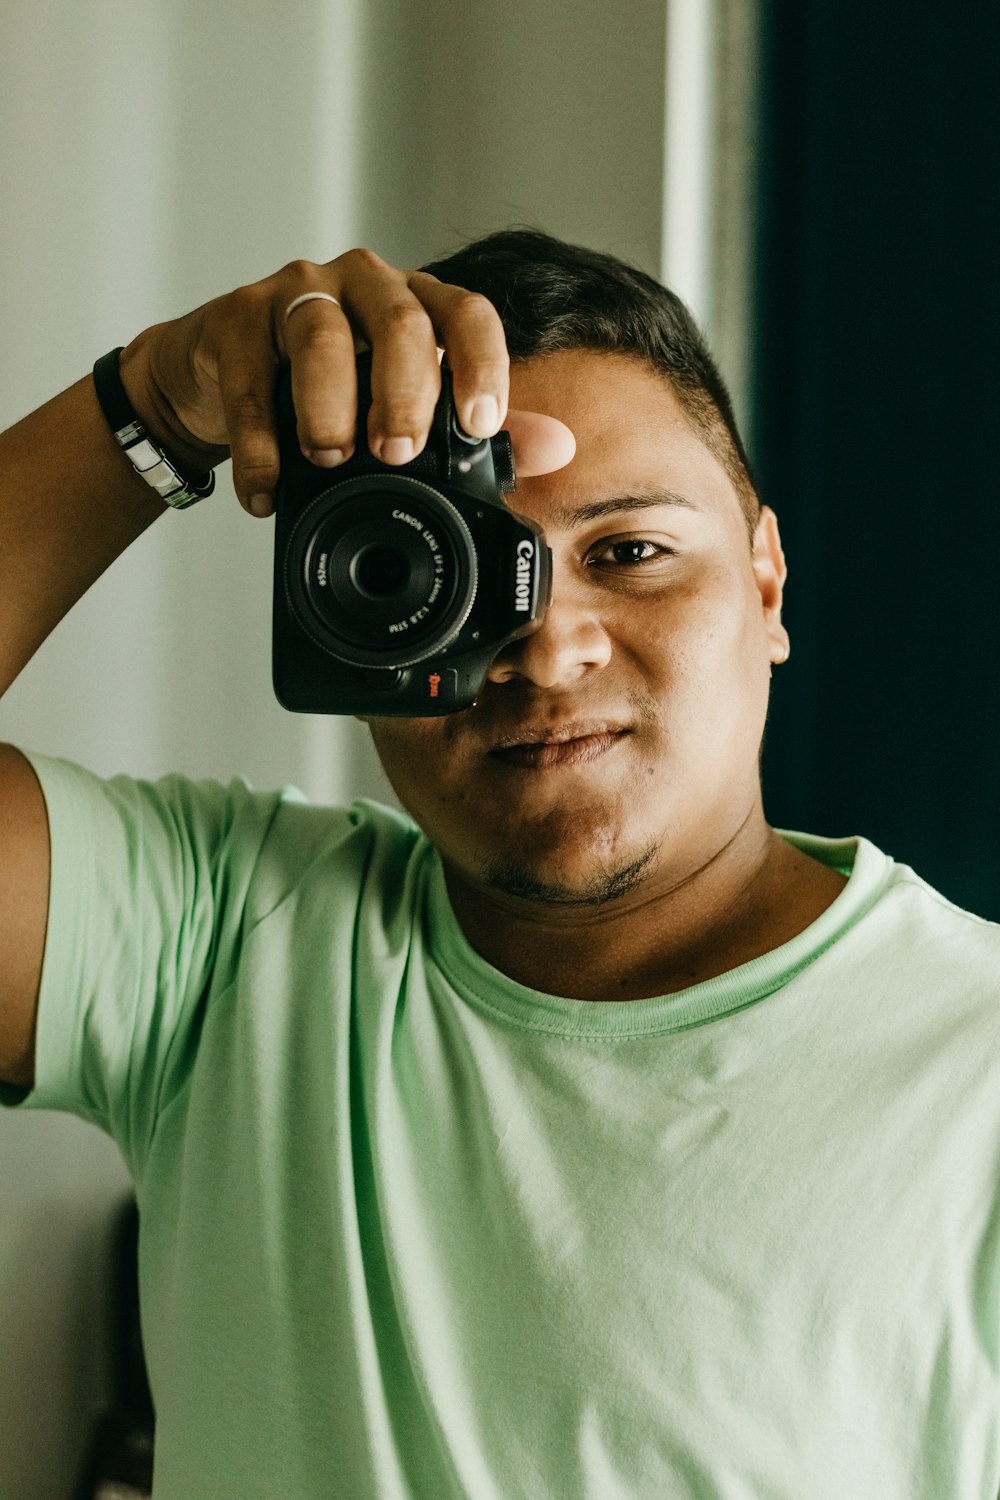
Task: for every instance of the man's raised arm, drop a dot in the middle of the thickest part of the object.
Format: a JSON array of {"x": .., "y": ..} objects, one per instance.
[{"x": 203, "y": 387}]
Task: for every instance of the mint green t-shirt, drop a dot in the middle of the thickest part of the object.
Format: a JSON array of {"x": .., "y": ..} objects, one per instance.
[{"x": 412, "y": 1231}]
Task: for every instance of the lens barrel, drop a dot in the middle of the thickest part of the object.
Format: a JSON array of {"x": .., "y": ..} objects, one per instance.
[{"x": 381, "y": 574}]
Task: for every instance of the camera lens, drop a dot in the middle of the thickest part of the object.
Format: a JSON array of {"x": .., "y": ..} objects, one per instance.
[{"x": 381, "y": 571}]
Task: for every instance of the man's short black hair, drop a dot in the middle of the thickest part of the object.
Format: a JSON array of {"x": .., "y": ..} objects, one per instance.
[{"x": 553, "y": 296}]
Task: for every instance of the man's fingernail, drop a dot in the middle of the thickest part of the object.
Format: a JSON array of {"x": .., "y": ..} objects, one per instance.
[
  {"x": 261, "y": 505},
  {"x": 484, "y": 415},
  {"x": 327, "y": 458},
  {"x": 397, "y": 450}
]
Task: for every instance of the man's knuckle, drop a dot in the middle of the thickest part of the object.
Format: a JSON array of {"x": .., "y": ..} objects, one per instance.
[
  {"x": 244, "y": 302},
  {"x": 317, "y": 335},
  {"x": 253, "y": 474},
  {"x": 257, "y": 465},
  {"x": 473, "y": 317},
  {"x": 361, "y": 259},
  {"x": 404, "y": 320},
  {"x": 321, "y": 432},
  {"x": 300, "y": 270},
  {"x": 249, "y": 410},
  {"x": 406, "y": 414},
  {"x": 473, "y": 307},
  {"x": 492, "y": 369}
]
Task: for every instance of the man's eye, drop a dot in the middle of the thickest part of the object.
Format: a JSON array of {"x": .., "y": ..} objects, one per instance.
[{"x": 629, "y": 553}]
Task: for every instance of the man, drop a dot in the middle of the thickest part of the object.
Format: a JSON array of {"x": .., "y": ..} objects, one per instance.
[{"x": 583, "y": 1137}]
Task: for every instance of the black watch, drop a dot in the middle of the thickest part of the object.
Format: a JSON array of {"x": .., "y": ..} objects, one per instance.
[{"x": 143, "y": 452}]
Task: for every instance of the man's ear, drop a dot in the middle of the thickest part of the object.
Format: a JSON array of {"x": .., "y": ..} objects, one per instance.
[{"x": 770, "y": 573}]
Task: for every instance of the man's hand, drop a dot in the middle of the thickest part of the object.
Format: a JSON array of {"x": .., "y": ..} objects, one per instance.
[{"x": 205, "y": 382}]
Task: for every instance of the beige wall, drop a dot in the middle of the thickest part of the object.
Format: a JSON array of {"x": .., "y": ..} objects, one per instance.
[{"x": 546, "y": 113}]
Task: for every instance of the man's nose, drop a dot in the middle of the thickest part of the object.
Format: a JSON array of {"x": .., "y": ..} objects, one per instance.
[{"x": 570, "y": 642}]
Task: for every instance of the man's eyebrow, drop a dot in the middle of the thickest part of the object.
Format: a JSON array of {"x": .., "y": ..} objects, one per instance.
[{"x": 567, "y": 516}]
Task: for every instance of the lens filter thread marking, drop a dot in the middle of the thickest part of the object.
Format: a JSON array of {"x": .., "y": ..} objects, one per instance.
[{"x": 346, "y": 587}]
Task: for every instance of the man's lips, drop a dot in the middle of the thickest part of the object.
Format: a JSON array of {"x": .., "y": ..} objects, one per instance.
[
  {"x": 555, "y": 733},
  {"x": 545, "y": 749}
]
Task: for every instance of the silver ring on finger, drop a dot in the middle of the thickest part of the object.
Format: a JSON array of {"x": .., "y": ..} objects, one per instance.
[{"x": 309, "y": 297}]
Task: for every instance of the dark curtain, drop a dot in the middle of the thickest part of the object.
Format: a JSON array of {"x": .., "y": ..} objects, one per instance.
[{"x": 874, "y": 425}]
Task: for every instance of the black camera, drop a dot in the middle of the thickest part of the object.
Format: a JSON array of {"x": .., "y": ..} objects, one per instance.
[{"x": 395, "y": 587}]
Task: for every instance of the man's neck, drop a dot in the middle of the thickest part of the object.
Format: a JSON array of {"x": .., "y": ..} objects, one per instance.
[{"x": 674, "y": 930}]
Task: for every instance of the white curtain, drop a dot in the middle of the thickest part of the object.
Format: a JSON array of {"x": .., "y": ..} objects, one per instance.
[{"x": 156, "y": 154}]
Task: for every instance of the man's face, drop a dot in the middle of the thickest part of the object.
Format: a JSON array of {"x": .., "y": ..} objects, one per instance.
[{"x": 651, "y": 665}]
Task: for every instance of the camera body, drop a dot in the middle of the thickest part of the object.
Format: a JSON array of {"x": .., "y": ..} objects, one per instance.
[{"x": 396, "y": 586}]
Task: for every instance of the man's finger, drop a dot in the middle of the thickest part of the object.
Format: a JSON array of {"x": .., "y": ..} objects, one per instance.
[
  {"x": 540, "y": 443},
  {"x": 246, "y": 387},
  {"x": 468, "y": 326},
  {"x": 319, "y": 342},
  {"x": 406, "y": 380}
]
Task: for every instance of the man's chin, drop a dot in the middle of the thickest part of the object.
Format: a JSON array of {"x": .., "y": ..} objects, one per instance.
[{"x": 564, "y": 887}]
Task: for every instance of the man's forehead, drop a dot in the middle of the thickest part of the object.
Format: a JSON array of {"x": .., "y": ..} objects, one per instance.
[
  {"x": 636, "y": 446},
  {"x": 636, "y": 449},
  {"x": 597, "y": 381},
  {"x": 625, "y": 415}
]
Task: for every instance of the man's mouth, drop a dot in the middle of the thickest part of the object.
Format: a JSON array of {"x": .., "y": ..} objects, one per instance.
[{"x": 561, "y": 745}]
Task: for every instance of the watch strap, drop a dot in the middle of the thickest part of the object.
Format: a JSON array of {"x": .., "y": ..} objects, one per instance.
[{"x": 140, "y": 448}]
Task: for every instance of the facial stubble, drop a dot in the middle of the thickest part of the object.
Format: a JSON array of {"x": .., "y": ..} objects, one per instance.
[{"x": 515, "y": 879}]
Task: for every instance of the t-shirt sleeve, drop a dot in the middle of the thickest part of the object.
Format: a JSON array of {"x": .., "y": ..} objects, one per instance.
[{"x": 147, "y": 900}]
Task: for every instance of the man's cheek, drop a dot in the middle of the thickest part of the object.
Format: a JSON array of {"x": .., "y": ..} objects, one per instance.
[{"x": 422, "y": 773}]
